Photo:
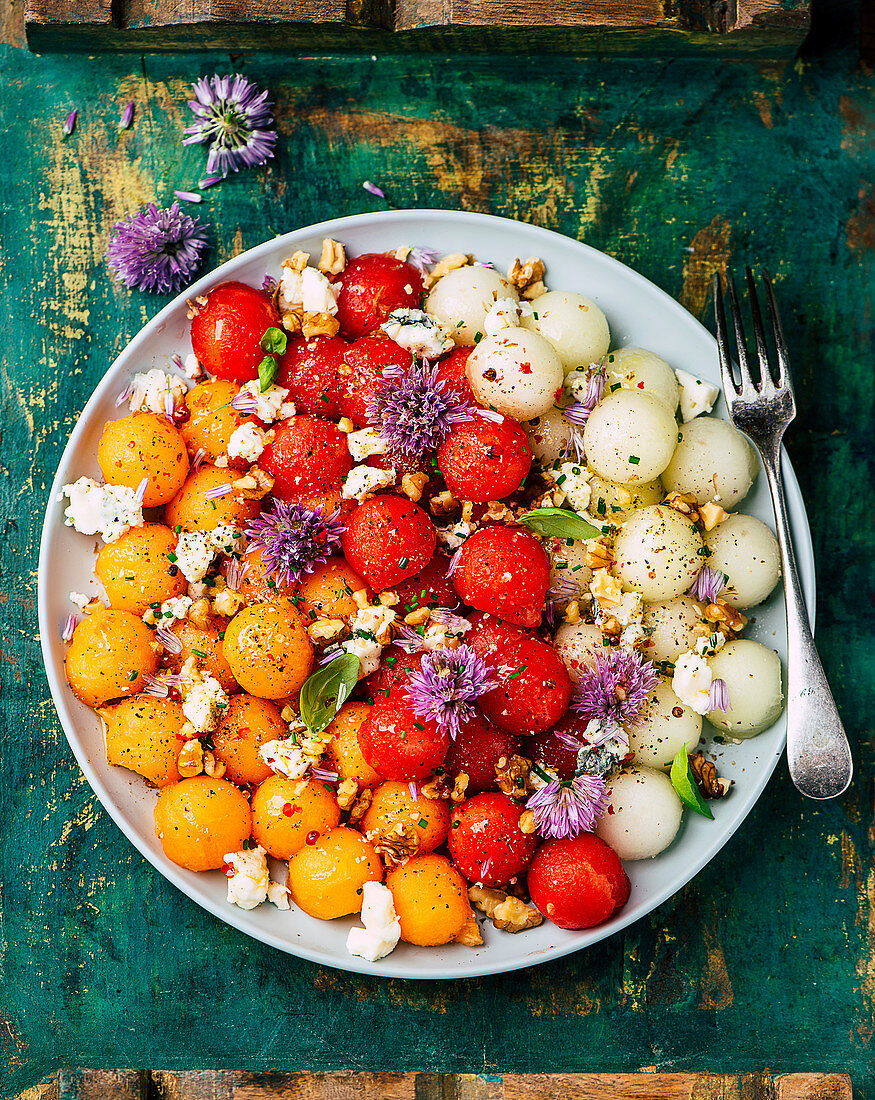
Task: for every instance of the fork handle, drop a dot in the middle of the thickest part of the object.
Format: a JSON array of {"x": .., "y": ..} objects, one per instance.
[{"x": 818, "y": 753}]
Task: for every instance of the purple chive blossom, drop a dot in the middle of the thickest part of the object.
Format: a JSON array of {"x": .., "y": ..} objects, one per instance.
[
  {"x": 708, "y": 585},
  {"x": 125, "y": 395},
  {"x": 408, "y": 639},
  {"x": 197, "y": 461},
  {"x": 615, "y": 690},
  {"x": 127, "y": 118},
  {"x": 244, "y": 402},
  {"x": 563, "y": 592},
  {"x": 234, "y": 119},
  {"x": 159, "y": 687},
  {"x": 372, "y": 189},
  {"x": 294, "y": 539},
  {"x": 447, "y": 684},
  {"x": 68, "y": 628},
  {"x": 325, "y": 774},
  {"x": 565, "y": 808},
  {"x": 188, "y": 196},
  {"x": 235, "y": 571},
  {"x": 454, "y": 623},
  {"x": 269, "y": 285},
  {"x": 209, "y": 181},
  {"x": 420, "y": 258},
  {"x": 331, "y": 654},
  {"x": 414, "y": 790},
  {"x": 141, "y": 490},
  {"x": 489, "y": 414},
  {"x": 218, "y": 491},
  {"x": 578, "y": 412},
  {"x": 70, "y": 122},
  {"x": 416, "y": 411},
  {"x": 169, "y": 405},
  {"x": 718, "y": 696},
  {"x": 454, "y": 562},
  {"x": 156, "y": 250},
  {"x": 168, "y": 639}
]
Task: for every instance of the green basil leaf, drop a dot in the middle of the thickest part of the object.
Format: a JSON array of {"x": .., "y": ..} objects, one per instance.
[
  {"x": 274, "y": 341},
  {"x": 325, "y": 692},
  {"x": 685, "y": 784},
  {"x": 267, "y": 371},
  {"x": 559, "y": 522}
]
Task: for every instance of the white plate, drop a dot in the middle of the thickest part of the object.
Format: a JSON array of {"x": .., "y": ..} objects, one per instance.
[{"x": 639, "y": 314}]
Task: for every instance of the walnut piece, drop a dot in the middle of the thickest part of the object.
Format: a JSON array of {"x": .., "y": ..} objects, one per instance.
[
  {"x": 460, "y": 787},
  {"x": 213, "y": 767},
  {"x": 711, "y": 514},
  {"x": 255, "y": 485},
  {"x": 347, "y": 793},
  {"x": 319, "y": 324},
  {"x": 524, "y": 275},
  {"x": 444, "y": 266},
  {"x": 190, "y": 761},
  {"x": 444, "y": 504},
  {"x": 418, "y": 617},
  {"x": 297, "y": 261},
  {"x": 325, "y": 630},
  {"x": 292, "y": 321},
  {"x": 470, "y": 935},
  {"x": 388, "y": 598},
  {"x": 412, "y": 485},
  {"x": 572, "y": 612},
  {"x": 598, "y": 554},
  {"x": 508, "y": 913},
  {"x": 360, "y": 807},
  {"x": 397, "y": 844},
  {"x": 729, "y": 617},
  {"x": 512, "y": 775},
  {"x": 227, "y": 603},
  {"x": 534, "y": 290},
  {"x": 527, "y": 822},
  {"x": 333, "y": 258},
  {"x": 199, "y": 613},
  {"x": 707, "y": 780}
]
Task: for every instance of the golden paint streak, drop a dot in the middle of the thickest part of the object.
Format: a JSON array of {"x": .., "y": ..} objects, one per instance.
[
  {"x": 708, "y": 253},
  {"x": 716, "y": 989}
]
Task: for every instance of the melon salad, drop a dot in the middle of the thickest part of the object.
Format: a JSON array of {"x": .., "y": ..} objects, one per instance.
[{"x": 413, "y": 587}]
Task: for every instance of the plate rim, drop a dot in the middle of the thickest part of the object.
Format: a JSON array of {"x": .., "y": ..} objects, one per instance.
[{"x": 179, "y": 877}]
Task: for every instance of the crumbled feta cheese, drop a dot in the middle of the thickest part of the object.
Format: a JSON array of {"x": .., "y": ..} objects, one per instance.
[
  {"x": 108, "y": 509},
  {"x": 453, "y": 536},
  {"x": 278, "y": 895},
  {"x": 150, "y": 390},
  {"x": 169, "y": 611},
  {"x": 248, "y": 877},
  {"x": 630, "y": 610},
  {"x": 290, "y": 289},
  {"x": 418, "y": 332},
  {"x": 80, "y": 600},
  {"x": 318, "y": 295},
  {"x": 697, "y": 397},
  {"x": 195, "y": 551},
  {"x": 246, "y": 442},
  {"x": 691, "y": 682},
  {"x": 382, "y": 927},
  {"x": 439, "y": 635},
  {"x": 270, "y": 405},
  {"x": 505, "y": 313},
  {"x": 287, "y": 756},
  {"x": 204, "y": 704},
  {"x": 364, "y": 481},
  {"x": 366, "y": 442},
  {"x": 371, "y": 630},
  {"x": 576, "y": 383},
  {"x": 573, "y": 480},
  {"x": 708, "y": 646},
  {"x": 192, "y": 368}
]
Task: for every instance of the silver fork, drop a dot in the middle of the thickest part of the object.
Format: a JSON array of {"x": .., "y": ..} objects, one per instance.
[{"x": 818, "y": 754}]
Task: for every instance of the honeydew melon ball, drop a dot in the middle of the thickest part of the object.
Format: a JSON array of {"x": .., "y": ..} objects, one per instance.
[
  {"x": 578, "y": 644},
  {"x": 548, "y": 436},
  {"x": 573, "y": 324},
  {"x": 614, "y": 503},
  {"x": 672, "y": 625},
  {"x": 461, "y": 299},
  {"x": 658, "y": 553},
  {"x": 638, "y": 369},
  {"x": 630, "y": 437},
  {"x": 713, "y": 460},
  {"x": 752, "y": 673},
  {"x": 747, "y": 552},
  {"x": 666, "y": 725},
  {"x": 646, "y": 813},
  {"x": 516, "y": 373},
  {"x": 568, "y": 562}
]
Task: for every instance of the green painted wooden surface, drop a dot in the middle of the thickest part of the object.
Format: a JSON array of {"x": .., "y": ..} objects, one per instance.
[{"x": 676, "y": 167}]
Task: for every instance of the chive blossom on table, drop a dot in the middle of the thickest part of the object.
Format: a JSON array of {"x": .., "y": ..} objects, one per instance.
[{"x": 127, "y": 117}]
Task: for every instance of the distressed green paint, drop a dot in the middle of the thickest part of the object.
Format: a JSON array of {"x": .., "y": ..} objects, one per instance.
[{"x": 765, "y": 959}]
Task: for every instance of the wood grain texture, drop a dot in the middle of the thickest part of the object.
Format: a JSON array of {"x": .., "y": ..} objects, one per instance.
[{"x": 675, "y": 166}]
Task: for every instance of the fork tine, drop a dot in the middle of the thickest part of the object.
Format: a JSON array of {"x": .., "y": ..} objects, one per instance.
[
  {"x": 766, "y": 382},
  {"x": 729, "y": 385},
  {"x": 747, "y": 383},
  {"x": 783, "y": 379}
]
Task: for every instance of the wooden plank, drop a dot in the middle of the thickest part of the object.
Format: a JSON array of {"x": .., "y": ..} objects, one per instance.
[
  {"x": 814, "y": 1086},
  {"x": 68, "y": 13},
  {"x": 411, "y": 14},
  {"x": 103, "y": 1084}
]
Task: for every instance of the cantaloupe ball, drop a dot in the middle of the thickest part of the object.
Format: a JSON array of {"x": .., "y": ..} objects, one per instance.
[
  {"x": 269, "y": 650},
  {"x": 752, "y": 673},
  {"x": 257, "y": 583},
  {"x": 393, "y": 803},
  {"x": 573, "y": 324},
  {"x": 327, "y": 592},
  {"x": 198, "y": 820},
  {"x": 144, "y": 446},
  {"x": 646, "y": 813},
  {"x": 142, "y": 734},
  {"x": 206, "y": 646},
  {"x": 191, "y": 510},
  {"x": 638, "y": 369},
  {"x": 431, "y": 900},
  {"x": 462, "y": 298},
  {"x": 136, "y": 571},
  {"x": 286, "y": 812},
  {"x": 548, "y": 437},
  {"x": 672, "y": 627},
  {"x": 630, "y": 437},
  {"x": 658, "y": 553},
  {"x": 665, "y": 726},
  {"x": 326, "y": 878},
  {"x": 568, "y": 562},
  {"x": 343, "y": 750},
  {"x": 516, "y": 373},
  {"x": 110, "y": 653},
  {"x": 578, "y": 645},
  {"x": 247, "y": 724},
  {"x": 614, "y": 503},
  {"x": 212, "y": 420},
  {"x": 714, "y": 461},
  {"x": 747, "y": 552}
]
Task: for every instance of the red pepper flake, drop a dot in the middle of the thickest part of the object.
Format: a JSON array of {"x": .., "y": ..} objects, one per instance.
[
  {"x": 288, "y": 809},
  {"x": 640, "y": 385},
  {"x": 229, "y": 870},
  {"x": 312, "y": 837},
  {"x": 525, "y": 368}
]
